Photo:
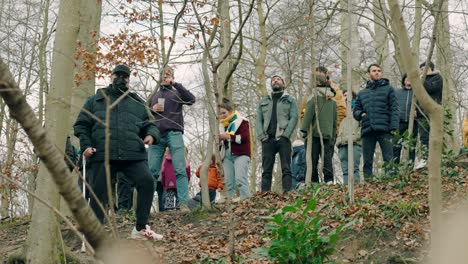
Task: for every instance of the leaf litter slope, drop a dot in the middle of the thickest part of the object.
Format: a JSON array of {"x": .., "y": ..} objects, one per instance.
[{"x": 389, "y": 216}]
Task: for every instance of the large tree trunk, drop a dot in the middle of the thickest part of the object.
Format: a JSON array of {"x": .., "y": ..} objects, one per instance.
[
  {"x": 42, "y": 241},
  {"x": 435, "y": 113},
  {"x": 88, "y": 35}
]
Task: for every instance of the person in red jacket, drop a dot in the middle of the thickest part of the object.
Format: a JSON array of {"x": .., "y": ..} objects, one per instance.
[
  {"x": 167, "y": 189},
  {"x": 235, "y": 143}
]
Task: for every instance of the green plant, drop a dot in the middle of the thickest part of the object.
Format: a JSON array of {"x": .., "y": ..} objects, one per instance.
[{"x": 299, "y": 236}]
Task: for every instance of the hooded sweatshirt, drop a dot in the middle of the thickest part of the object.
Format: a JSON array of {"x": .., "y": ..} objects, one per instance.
[{"x": 326, "y": 114}]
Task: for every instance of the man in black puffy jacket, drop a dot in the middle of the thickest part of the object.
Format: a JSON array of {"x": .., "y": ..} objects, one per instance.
[
  {"x": 377, "y": 109},
  {"x": 129, "y": 131},
  {"x": 405, "y": 98}
]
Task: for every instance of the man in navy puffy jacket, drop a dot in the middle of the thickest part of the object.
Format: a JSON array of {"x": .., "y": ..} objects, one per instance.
[{"x": 377, "y": 109}]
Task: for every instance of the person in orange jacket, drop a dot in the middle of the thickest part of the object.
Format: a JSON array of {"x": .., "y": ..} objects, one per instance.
[{"x": 214, "y": 181}]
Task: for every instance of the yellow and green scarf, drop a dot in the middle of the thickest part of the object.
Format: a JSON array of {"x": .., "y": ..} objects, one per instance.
[{"x": 228, "y": 123}]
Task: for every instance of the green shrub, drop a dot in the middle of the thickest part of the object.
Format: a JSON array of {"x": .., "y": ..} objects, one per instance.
[{"x": 299, "y": 236}]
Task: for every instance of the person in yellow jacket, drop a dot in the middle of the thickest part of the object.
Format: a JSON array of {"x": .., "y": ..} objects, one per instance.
[{"x": 465, "y": 130}]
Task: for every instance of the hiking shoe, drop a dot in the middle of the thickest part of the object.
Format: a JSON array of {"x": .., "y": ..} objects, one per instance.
[
  {"x": 144, "y": 234},
  {"x": 184, "y": 208}
]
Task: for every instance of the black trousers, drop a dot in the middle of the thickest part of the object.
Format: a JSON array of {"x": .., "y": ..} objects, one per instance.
[
  {"x": 137, "y": 173},
  {"x": 327, "y": 160},
  {"x": 270, "y": 147},
  {"x": 124, "y": 192},
  {"x": 397, "y": 147},
  {"x": 369, "y": 142},
  {"x": 424, "y": 131}
]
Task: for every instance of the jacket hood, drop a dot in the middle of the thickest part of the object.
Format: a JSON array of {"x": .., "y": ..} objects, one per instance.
[
  {"x": 378, "y": 83},
  {"x": 403, "y": 78},
  {"x": 435, "y": 72}
]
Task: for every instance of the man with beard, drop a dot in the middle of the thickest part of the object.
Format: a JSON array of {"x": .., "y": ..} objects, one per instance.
[
  {"x": 277, "y": 117},
  {"x": 129, "y": 130}
]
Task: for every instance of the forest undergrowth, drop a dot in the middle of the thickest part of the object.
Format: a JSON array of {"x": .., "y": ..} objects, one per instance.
[{"x": 387, "y": 224}]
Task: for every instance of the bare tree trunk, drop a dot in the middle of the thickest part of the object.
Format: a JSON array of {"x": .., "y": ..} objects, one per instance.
[
  {"x": 42, "y": 241},
  {"x": 352, "y": 44},
  {"x": 53, "y": 161},
  {"x": 312, "y": 35},
  {"x": 12, "y": 129},
  {"x": 445, "y": 62},
  {"x": 435, "y": 113},
  {"x": 225, "y": 42},
  {"x": 381, "y": 36},
  {"x": 415, "y": 49},
  {"x": 88, "y": 35}
]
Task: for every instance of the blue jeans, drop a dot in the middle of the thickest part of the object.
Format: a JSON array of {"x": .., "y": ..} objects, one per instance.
[
  {"x": 368, "y": 148},
  {"x": 236, "y": 173},
  {"x": 343, "y": 151},
  {"x": 174, "y": 140}
]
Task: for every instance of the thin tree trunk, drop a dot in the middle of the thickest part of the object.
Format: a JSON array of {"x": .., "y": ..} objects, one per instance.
[
  {"x": 435, "y": 113},
  {"x": 311, "y": 29},
  {"x": 225, "y": 42},
  {"x": 351, "y": 21},
  {"x": 445, "y": 64},
  {"x": 381, "y": 37}
]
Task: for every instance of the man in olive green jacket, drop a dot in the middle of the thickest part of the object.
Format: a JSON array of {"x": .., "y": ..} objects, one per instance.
[
  {"x": 321, "y": 115},
  {"x": 277, "y": 117}
]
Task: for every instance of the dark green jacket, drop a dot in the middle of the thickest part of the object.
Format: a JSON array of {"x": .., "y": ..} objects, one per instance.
[
  {"x": 129, "y": 125},
  {"x": 326, "y": 115}
]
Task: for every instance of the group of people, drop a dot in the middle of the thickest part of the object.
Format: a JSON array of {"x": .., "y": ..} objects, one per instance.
[
  {"x": 162, "y": 166},
  {"x": 380, "y": 114}
]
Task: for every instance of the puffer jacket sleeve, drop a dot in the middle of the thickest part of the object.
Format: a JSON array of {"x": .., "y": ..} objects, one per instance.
[
  {"x": 358, "y": 110},
  {"x": 395, "y": 115},
  {"x": 84, "y": 124}
]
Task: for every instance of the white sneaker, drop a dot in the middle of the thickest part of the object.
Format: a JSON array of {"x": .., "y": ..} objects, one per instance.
[
  {"x": 420, "y": 165},
  {"x": 144, "y": 234}
]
